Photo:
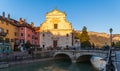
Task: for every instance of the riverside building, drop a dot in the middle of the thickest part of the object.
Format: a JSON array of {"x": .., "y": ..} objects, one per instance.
[
  {"x": 28, "y": 33},
  {"x": 18, "y": 32},
  {"x": 8, "y": 30}
]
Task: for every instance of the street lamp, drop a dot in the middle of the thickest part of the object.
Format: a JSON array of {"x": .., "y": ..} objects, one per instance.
[
  {"x": 109, "y": 65},
  {"x": 111, "y": 35}
]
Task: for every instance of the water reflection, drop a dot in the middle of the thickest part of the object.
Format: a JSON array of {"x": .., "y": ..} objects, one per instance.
[{"x": 57, "y": 65}]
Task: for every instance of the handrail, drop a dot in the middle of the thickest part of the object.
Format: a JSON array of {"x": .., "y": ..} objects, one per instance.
[
  {"x": 116, "y": 62},
  {"x": 109, "y": 65},
  {"x": 108, "y": 58}
]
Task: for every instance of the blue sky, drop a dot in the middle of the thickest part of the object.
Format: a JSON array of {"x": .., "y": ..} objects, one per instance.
[{"x": 96, "y": 15}]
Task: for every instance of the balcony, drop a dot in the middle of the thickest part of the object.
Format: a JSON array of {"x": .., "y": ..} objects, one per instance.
[{"x": 3, "y": 34}]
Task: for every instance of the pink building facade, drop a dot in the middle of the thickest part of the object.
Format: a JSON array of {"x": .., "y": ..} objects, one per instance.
[
  {"x": 27, "y": 32},
  {"x": 37, "y": 37}
]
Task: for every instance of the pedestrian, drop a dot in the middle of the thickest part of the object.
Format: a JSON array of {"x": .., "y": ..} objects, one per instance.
[{"x": 21, "y": 49}]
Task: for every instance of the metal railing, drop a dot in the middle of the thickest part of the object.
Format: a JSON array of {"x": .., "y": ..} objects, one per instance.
[{"x": 109, "y": 63}]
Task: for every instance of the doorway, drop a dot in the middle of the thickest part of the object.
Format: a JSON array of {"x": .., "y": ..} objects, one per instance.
[{"x": 55, "y": 43}]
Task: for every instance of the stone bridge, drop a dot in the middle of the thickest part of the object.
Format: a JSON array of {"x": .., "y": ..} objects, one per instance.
[{"x": 79, "y": 55}]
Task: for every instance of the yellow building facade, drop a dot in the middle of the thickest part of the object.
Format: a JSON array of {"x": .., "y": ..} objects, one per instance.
[
  {"x": 8, "y": 27},
  {"x": 56, "y": 31}
]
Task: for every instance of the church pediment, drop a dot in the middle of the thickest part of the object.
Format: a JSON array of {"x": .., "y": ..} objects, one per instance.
[
  {"x": 55, "y": 12},
  {"x": 55, "y": 20}
]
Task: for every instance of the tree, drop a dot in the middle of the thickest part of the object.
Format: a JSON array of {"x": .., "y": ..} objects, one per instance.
[
  {"x": 84, "y": 38},
  {"x": 117, "y": 45},
  {"x": 77, "y": 35},
  {"x": 28, "y": 45}
]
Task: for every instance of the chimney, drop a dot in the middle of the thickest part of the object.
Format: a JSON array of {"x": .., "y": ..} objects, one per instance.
[
  {"x": 3, "y": 14},
  {"x": 8, "y": 16},
  {"x": 32, "y": 24},
  {"x": 13, "y": 21},
  {"x": 20, "y": 20}
]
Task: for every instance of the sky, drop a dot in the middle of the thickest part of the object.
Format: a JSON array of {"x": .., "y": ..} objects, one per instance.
[{"x": 96, "y": 15}]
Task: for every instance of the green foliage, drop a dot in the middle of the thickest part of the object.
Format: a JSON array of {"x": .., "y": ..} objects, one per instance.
[
  {"x": 84, "y": 38},
  {"x": 77, "y": 35},
  {"x": 117, "y": 45},
  {"x": 85, "y": 44},
  {"x": 28, "y": 45}
]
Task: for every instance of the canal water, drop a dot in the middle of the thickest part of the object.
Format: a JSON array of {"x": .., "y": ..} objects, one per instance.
[{"x": 56, "y": 65}]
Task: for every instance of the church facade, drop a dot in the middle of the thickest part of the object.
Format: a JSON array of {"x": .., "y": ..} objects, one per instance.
[{"x": 56, "y": 31}]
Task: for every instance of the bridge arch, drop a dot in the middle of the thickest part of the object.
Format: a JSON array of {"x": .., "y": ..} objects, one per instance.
[
  {"x": 59, "y": 56},
  {"x": 86, "y": 57},
  {"x": 79, "y": 56},
  {"x": 83, "y": 58}
]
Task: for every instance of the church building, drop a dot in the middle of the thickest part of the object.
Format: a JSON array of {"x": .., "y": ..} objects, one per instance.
[{"x": 56, "y": 31}]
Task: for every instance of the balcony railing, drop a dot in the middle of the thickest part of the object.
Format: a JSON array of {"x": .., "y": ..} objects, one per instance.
[{"x": 3, "y": 34}]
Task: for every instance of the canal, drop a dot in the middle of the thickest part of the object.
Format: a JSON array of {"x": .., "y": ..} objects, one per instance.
[{"x": 56, "y": 65}]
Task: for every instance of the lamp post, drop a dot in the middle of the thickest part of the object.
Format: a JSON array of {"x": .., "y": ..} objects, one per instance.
[
  {"x": 109, "y": 66},
  {"x": 111, "y": 36},
  {"x": 110, "y": 51}
]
